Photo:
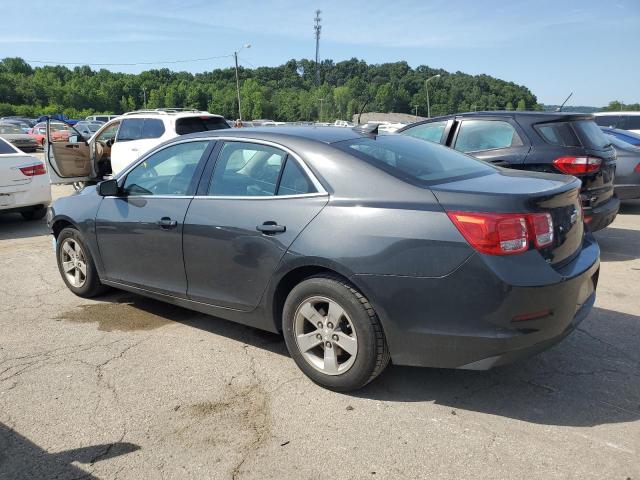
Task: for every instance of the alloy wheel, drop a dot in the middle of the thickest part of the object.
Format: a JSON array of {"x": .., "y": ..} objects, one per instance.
[
  {"x": 74, "y": 262},
  {"x": 325, "y": 335}
]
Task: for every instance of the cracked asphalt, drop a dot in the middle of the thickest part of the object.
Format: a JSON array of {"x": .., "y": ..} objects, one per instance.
[{"x": 126, "y": 387}]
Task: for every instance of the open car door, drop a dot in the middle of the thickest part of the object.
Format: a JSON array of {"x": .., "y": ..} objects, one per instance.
[{"x": 67, "y": 153}]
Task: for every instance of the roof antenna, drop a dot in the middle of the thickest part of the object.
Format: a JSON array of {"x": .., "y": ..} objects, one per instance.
[
  {"x": 367, "y": 128},
  {"x": 559, "y": 109}
]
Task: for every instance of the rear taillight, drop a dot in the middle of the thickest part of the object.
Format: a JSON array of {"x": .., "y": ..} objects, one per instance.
[
  {"x": 637, "y": 169},
  {"x": 32, "y": 170},
  {"x": 504, "y": 233},
  {"x": 577, "y": 165}
]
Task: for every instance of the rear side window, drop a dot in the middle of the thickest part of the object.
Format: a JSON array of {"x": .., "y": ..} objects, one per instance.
[
  {"x": 478, "y": 135},
  {"x": 632, "y": 122},
  {"x": 5, "y": 148},
  {"x": 559, "y": 133},
  {"x": 153, "y": 128},
  {"x": 199, "y": 124},
  {"x": 427, "y": 131},
  {"x": 131, "y": 129},
  {"x": 293, "y": 180},
  {"x": 413, "y": 160},
  {"x": 607, "y": 120}
]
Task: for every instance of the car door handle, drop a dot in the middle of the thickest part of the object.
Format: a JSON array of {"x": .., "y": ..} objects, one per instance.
[
  {"x": 72, "y": 146},
  {"x": 166, "y": 222},
  {"x": 271, "y": 228}
]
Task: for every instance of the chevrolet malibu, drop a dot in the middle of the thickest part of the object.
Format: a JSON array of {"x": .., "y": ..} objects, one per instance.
[{"x": 359, "y": 248}]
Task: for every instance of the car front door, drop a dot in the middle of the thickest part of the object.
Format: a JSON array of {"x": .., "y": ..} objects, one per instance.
[
  {"x": 257, "y": 201},
  {"x": 139, "y": 231},
  {"x": 497, "y": 141},
  {"x": 67, "y": 153}
]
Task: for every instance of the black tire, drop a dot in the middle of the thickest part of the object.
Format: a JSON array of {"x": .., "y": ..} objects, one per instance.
[
  {"x": 372, "y": 352},
  {"x": 92, "y": 286},
  {"x": 35, "y": 214}
]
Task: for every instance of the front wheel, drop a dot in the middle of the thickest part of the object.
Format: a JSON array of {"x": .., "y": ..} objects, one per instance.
[
  {"x": 76, "y": 265},
  {"x": 333, "y": 333}
]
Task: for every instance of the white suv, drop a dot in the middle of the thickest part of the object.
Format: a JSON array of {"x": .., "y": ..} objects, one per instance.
[
  {"x": 624, "y": 120},
  {"x": 120, "y": 142}
]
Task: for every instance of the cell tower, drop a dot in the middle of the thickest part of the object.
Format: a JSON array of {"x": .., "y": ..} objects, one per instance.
[{"x": 317, "y": 27}]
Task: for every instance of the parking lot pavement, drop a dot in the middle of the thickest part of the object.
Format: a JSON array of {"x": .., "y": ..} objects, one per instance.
[{"x": 126, "y": 387}]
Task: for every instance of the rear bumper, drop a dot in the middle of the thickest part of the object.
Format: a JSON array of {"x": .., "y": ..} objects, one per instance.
[
  {"x": 466, "y": 319},
  {"x": 627, "y": 192},
  {"x": 602, "y": 215}
]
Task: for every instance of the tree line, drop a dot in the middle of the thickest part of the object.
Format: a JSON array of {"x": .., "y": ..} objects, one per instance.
[{"x": 288, "y": 92}]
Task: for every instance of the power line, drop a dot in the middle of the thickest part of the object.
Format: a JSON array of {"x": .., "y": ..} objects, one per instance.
[{"x": 166, "y": 62}]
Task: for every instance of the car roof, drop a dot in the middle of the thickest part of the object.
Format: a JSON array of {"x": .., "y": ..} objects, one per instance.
[
  {"x": 616, "y": 113},
  {"x": 170, "y": 112},
  {"x": 321, "y": 134}
]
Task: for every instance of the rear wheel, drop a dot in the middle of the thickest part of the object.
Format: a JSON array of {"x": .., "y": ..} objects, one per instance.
[
  {"x": 35, "y": 214},
  {"x": 76, "y": 265},
  {"x": 333, "y": 334}
]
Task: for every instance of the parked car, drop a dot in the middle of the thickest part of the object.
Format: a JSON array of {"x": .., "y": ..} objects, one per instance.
[
  {"x": 28, "y": 121},
  {"x": 624, "y": 135},
  {"x": 536, "y": 141},
  {"x": 24, "y": 185},
  {"x": 101, "y": 118},
  {"x": 59, "y": 132},
  {"x": 622, "y": 120},
  {"x": 87, "y": 129},
  {"x": 22, "y": 125},
  {"x": 357, "y": 247},
  {"x": 121, "y": 141},
  {"x": 627, "y": 183},
  {"x": 14, "y": 135}
]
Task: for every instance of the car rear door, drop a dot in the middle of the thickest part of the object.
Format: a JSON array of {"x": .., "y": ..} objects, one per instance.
[
  {"x": 500, "y": 141},
  {"x": 68, "y": 156},
  {"x": 139, "y": 231},
  {"x": 258, "y": 199}
]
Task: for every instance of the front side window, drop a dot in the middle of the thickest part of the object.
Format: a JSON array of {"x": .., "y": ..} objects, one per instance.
[
  {"x": 478, "y": 135},
  {"x": 167, "y": 172},
  {"x": 427, "y": 131},
  {"x": 413, "y": 160},
  {"x": 108, "y": 133},
  {"x": 131, "y": 129},
  {"x": 247, "y": 169}
]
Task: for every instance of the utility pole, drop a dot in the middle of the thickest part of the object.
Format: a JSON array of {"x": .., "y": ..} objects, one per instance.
[
  {"x": 235, "y": 56},
  {"x": 144, "y": 96},
  {"x": 317, "y": 27},
  {"x": 416, "y": 112},
  {"x": 321, "y": 104}
]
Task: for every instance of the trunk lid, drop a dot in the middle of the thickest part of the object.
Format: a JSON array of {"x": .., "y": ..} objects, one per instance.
[
  {"x": 512, "y": 191},
  {"x": 10, "y": 174}
]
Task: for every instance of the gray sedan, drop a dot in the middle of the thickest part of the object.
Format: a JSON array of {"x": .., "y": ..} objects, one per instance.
[
  {"x": 14, "y": 135},
  {"x": 627, "y": 181},
  {"x": 360, "y": 248}
]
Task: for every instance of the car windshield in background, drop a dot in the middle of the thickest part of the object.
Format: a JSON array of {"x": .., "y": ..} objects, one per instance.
[
  {"x": 9, "y": 129},
  {"x": 199, "y": 124},
  {"x": 414, "y": 160}
]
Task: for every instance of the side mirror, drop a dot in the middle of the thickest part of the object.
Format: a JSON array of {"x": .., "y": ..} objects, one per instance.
[{"x": 108, "y": 188}]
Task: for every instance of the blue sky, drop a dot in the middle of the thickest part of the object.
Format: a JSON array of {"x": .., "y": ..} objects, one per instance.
[{"x": 552, "y": 46}]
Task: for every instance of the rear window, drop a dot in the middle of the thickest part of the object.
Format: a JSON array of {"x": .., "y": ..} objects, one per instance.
[
  {"x": 414, "y": 160},
  {"x": 590, "y": 134},
  {"x": 558, "y": 133},
  {"x": 199, "y": 124},
  {"x": 5, "y": 148},
  {"x": 607, "y": 120}
]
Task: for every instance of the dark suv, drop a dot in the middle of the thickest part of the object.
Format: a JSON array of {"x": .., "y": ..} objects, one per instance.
[{"x": 539, "y": 141}]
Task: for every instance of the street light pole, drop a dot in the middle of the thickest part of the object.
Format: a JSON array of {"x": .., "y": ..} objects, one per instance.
[
  {"x": 426, "y": 84},
  {"x": 235, "y": 56}
]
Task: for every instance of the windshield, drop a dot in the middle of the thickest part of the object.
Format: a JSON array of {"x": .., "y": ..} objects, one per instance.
[
  {"x": 414, "y": 160},
  {"x": 9, "y": 129}
]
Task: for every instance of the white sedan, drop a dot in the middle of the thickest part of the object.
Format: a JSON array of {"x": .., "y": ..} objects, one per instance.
[{"x": 24, "y": 183}]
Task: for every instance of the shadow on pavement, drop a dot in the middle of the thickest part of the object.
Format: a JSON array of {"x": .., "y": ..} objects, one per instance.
[
  {"x": 21, "y": 458},
  {"x": 618, "y": 244},
  {"x": 591, "y": 378},
  {"x": 12, "y": 226},
  {"x": 630, "y": 207}
]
